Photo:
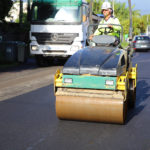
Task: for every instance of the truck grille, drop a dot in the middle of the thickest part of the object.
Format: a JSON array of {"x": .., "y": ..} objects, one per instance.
[{"x": 55, "y": 38}]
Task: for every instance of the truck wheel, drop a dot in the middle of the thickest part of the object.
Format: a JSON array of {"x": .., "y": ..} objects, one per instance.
[{"x": 41, "y": 61}]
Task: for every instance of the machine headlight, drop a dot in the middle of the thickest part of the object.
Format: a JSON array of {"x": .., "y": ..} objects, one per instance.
[
  {"x": 68, "y": 80},
  {"x": 34, "y": 48},
  {"x": 74, "y": 48},
  {"x": 109, "y": 82}
]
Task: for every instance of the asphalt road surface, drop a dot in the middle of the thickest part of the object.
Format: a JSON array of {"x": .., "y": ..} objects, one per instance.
[{"x": 28, "y": 120}]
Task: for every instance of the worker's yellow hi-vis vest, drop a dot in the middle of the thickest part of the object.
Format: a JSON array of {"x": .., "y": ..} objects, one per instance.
[{"x": 111, "y": 20}]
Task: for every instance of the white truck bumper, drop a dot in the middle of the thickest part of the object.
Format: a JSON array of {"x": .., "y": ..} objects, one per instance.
[{"x": 54, "y": 50}]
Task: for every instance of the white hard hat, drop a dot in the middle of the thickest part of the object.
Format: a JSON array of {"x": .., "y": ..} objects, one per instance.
[{"x": 106, "y": 5}]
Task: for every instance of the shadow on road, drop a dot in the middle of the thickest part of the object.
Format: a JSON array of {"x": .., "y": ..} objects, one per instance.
[
  {"x": 30, "y": 64},
  {"x": 141, "y": 96}
]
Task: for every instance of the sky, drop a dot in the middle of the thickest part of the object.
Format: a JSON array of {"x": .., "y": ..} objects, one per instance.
[{"x": 142, "y": 5}]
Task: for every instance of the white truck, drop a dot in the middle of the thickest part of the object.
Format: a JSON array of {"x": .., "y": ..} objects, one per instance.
[{"x": 59, "y": 28}]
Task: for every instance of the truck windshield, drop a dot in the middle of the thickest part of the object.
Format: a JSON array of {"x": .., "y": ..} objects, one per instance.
[{"x": 49, "y": 13}]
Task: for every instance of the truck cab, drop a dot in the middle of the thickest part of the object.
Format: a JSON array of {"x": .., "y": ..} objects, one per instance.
[{"x": 58, "y": 28}]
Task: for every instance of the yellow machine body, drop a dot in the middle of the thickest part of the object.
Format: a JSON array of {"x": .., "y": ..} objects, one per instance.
[{"x": 99, "y": 105}]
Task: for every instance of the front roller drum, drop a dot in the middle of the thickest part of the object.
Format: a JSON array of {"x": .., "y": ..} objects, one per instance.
[{"x": 91, "y": 109}]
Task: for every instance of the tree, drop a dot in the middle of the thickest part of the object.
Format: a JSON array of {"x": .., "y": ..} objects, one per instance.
[
  {"x": 5, "y": 6},
  {"x": 21, "y": 11},
  {"x": 122, "y": 12},
  {"x": 97, "y": 6}
]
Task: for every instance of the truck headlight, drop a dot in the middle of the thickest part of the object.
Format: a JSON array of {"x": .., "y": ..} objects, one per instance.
[
  {"x": 74, "y": 48},
  {"x": 34, "y": 48},
  {"x": 109, "y": 82},
  {"x": 68, "y": 80}
]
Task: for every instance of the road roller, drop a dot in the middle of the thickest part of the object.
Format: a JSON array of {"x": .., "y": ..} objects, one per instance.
[{"x": 97, "y": 83}]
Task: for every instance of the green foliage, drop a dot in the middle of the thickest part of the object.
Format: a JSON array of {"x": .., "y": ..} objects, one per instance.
[
  {"x": 97, "y": 6},
  {"x": 5, "y": 6},
  {"x": 24, "y": 18}
]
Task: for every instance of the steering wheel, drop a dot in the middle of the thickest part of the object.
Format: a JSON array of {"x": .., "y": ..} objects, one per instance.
[{"x": 106, "y": 30}]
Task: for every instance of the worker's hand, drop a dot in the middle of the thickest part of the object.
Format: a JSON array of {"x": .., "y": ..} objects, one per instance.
[
  {"x": 91, "y": 37},
  {"x": 110, "y": 26}
]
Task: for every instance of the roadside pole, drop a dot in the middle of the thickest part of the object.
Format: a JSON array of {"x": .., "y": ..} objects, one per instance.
[{"x": 130, "y": 11}]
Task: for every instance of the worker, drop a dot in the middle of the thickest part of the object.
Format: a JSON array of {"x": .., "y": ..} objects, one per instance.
[{"x": 109, "y": 19}]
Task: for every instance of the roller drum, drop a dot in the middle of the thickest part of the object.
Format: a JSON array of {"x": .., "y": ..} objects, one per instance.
[{"x": 91, "y": 108}]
